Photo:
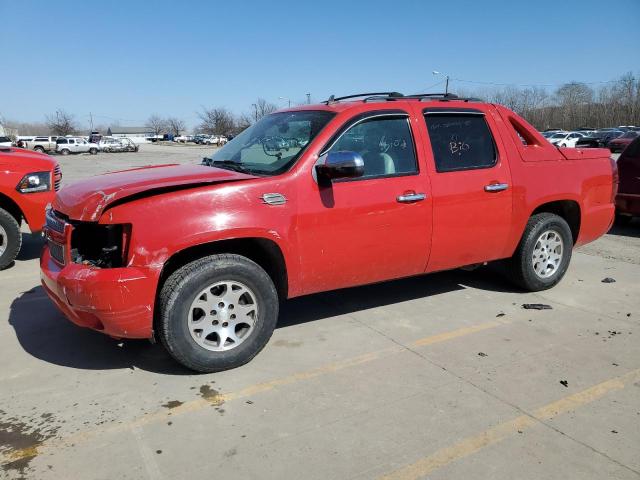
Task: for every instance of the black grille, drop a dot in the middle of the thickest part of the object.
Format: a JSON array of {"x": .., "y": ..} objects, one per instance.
[
  {"x": 57, "y": 252},
  {"x": 57, "y": 177},
  {"x": 54, "y": 223}
]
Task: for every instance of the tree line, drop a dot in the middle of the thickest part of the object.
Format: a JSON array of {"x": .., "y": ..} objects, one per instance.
[{"x": 572, "y": 105}]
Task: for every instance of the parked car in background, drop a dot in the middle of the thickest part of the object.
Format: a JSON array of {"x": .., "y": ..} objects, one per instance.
[
  {"x": 39, "y": 144},
  {"x": 28, "y": 183},
  {"x": 5, "y": 142},
  {"x": 312, "y": 199},
  {"x": 120, "y": 144},
  {"x": 620, "y": 143},
  {"x": 565, "y": 139},
  {"x": 183, "y": 138},
  {"x": 628, "y": 197},
  {"x": 599, "y": 139},
  {"x": 215, "y": 140},
  {"x": 67, "y": 145}
]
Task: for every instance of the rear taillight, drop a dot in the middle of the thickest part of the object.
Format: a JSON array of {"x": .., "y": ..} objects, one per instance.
[{"x": 615, "y": 179}]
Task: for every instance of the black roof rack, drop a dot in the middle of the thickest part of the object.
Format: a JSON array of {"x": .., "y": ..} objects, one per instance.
[
  {"x": 333, "y": 98},
  {"x": 392, "y": 96}
]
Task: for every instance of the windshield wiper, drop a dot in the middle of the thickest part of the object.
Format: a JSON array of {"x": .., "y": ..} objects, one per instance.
[{"x": 229, "y": 165}]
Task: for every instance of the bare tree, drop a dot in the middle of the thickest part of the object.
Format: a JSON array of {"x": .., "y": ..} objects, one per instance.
[
  {"x": 176, "y": 126},
  {"x": 61, "y": 123},
  {"x": 261, "y": 108},
  {"x": 157, "y": 124},
  {"x": 243, "y": 122},
  {"x": 216, "y": 121},
  {"x": 574, "y": 104}
]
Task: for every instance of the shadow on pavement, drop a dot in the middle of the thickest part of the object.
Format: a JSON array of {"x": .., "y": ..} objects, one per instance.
[
  {"x": 46, "y": 334},
  {"x": 631, "y": 229},
  {"x": 31, "y": 247}
]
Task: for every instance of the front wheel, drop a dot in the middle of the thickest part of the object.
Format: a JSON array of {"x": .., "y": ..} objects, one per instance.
[
  {"x": 38, "y": 149},
  {"x": 544, "y": 253},
  {"x": 217, "y": 312},
  {"x": 65, "y": 151},
  {"x": 10, "y": 239},
  {"x": 93, "y": 151}
]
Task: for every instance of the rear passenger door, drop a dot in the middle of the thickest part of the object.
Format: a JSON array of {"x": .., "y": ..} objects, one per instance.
[{"x": 471, "y": 187}]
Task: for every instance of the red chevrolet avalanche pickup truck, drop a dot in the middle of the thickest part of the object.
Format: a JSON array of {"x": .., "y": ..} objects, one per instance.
[
  {"x": 353, "y": 191},
  {"x": 28, "y": 181}
]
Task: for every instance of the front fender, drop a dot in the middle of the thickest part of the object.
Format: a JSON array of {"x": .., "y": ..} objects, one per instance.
[{"x": 164, "y": 225}]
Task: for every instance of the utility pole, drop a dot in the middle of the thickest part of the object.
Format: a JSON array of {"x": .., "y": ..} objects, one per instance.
[
  {"x": 308, "y": 98},
  {"x": 446, "y": 85},
  {"x": 91, "y": 121},
  {"x": 287, "y": 99},
  {"x": 255, "y": 109}
]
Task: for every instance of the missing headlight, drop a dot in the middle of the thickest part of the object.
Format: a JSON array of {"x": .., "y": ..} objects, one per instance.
[{"x": 102, "y": 246}]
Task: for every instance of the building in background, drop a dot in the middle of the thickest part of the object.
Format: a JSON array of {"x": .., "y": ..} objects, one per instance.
[{"x": 136, "y": 134}]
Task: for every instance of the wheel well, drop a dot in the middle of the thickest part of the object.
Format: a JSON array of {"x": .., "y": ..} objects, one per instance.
[
  {"x": 264, "y": 252},
  {"x": 567, "y": 209},
  {"x": 12, "y": 207}
]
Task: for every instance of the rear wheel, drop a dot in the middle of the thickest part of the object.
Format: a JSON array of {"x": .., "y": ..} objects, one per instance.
[
  {"x": 10, "y": 239},
  {"x": 217, "y": 312},
  {"x": 544, "y": 253},
  {"x": 93, "y": 151},
  {"x": 65, "y": 151},
  {"x": 38, "y": 149}
]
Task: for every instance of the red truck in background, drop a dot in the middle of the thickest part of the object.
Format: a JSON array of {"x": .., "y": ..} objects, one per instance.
[
  {"x": 628, "y": 198},
  {"x": 28, "y": 181},
  {"x": 355, "y": 190}
]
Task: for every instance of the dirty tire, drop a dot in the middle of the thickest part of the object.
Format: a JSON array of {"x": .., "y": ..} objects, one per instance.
[
  {"x": 65, "y": 151},
  {"x": 93, "y": 151},
  {"x": 11, "y": 239},
  {"x": 520, "y": 266},
  {"x": 179, "y": 292}
]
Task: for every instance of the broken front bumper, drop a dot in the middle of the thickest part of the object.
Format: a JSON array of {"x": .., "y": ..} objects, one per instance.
[{"x": 116, "y": 301}]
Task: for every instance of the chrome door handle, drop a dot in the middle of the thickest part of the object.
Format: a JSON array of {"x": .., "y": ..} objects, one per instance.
[
  {"x": 496, "y": 187},
  {"x": 411, "y": 197}
]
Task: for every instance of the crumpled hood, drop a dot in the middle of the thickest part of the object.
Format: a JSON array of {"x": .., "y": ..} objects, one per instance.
[{"x": 88, "y": 199}]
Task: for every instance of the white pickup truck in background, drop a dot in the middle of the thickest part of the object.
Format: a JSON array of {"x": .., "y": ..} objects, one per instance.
[{"x": 39, "y": 144}]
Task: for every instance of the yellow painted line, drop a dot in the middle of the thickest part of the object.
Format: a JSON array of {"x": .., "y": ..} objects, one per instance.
[
  {"x": 219, "y": 399},
  {"x": 461, "y": 332},
  {"x": 471, "y": 445}
]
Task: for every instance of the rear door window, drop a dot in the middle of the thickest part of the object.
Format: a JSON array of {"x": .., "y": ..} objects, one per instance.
[{"x": 460, "y": 140}]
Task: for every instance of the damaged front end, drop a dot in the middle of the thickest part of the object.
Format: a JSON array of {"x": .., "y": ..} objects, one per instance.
[
  {"x": 101, "y": 246},
  {"x": 84, "y": 270},
  {"x": 87, "y": 243}
]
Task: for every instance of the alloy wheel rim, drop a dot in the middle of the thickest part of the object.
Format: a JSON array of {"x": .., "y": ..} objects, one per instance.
[
  {"x": 547, "y": 254},
  {"x": 4, "y": 239},
  {"x": 223, "y": 316}
]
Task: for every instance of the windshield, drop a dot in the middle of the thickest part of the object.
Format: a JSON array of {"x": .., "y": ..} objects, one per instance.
[
  {"x": 272, "y": 145},
  {"x": 559, "y": 135},
  {"x": 630, "y": 134}
]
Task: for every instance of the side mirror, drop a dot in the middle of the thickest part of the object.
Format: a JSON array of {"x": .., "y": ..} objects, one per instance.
[{"x": 339, "y": 165}]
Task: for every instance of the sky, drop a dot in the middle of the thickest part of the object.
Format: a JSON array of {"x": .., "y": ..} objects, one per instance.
[{"x": 123, "y": 61}]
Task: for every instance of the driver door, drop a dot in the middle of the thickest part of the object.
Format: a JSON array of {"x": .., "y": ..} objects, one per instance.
[{"x": 371, "y": 228}]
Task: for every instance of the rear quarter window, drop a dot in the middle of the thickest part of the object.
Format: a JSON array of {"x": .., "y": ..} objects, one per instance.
[{"x": 460, "y": 141}]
